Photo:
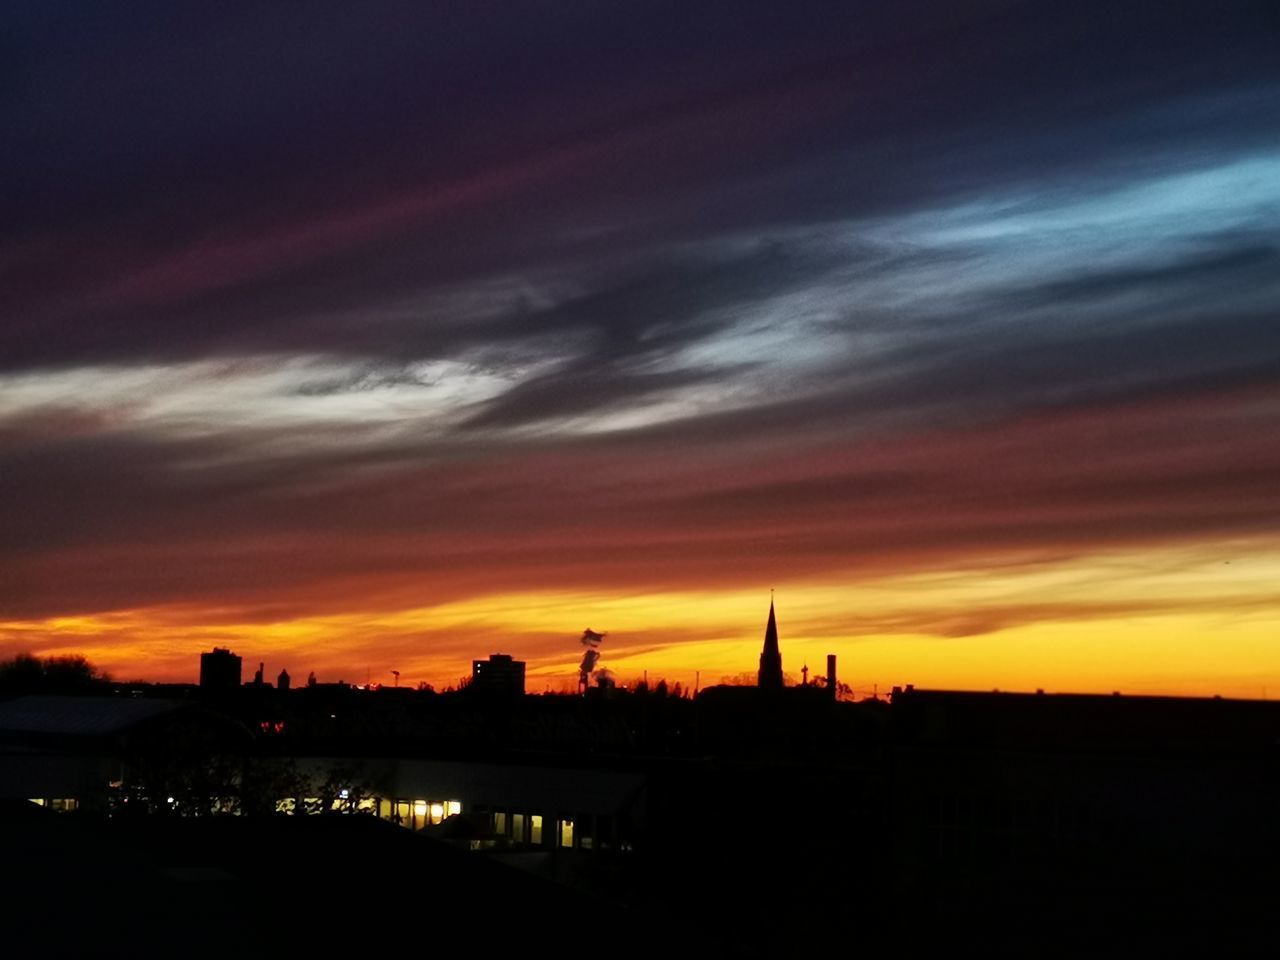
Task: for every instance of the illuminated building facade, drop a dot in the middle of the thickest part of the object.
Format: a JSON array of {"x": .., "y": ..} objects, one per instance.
[{"x": 506, "y": 805}]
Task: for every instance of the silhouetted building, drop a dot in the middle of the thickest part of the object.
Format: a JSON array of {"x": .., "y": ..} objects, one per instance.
[
  {"x": 283, "y": 681},
  {"x": 499, "y": 674},
  {"x": 770, "y": 676},
  {"x": 257, "y": 676},
  {"x": 219, "y": 670},
  {"x": 831, "y": 676}
]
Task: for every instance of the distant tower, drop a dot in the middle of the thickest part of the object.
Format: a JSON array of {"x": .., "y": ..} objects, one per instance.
[
  {"x": 499, "y": 675},
  {"x": 219, "y": 670},
  {"x": 770, "y": 676},
  {"x": 282, "y": 681}
]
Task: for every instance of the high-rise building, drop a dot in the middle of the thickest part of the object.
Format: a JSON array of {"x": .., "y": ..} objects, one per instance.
[
  {"x": 219, "y": 670},
  {"x": 770, "y": 676},
  {"x": 500, "y": 674}
]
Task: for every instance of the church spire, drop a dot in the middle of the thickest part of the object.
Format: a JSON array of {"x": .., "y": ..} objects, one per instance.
[{"x": 770, "y": 676}]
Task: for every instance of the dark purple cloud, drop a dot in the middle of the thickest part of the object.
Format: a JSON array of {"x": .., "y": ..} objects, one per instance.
[{"x": 383, "y": 294}]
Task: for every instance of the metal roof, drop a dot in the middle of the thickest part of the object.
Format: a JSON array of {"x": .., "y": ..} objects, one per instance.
[{"x": 86, "y": 716}]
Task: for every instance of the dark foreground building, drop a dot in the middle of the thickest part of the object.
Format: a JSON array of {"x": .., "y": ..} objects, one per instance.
[
  {"x": 1046, "y": 825},
  {"x": 279, "y": 887},
  {"x": 500, "y": 675}
]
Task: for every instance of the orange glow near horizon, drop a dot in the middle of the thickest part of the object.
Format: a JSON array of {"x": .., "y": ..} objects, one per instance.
[{"x": 1179, "y": 621}]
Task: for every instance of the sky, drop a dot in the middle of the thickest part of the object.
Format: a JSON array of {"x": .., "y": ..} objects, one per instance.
[{"x": 384, "y": 336}]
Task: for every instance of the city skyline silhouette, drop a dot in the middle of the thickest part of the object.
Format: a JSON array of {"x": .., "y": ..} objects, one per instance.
[{"x": 738, "y": 478}]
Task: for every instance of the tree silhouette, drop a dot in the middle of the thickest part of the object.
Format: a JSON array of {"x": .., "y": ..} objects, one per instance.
[
  {"x": 190, "y": 765},
  {"x": 72, "y": 674},
  {"x": 268, "y": 780},
  {"x": 344, "y": 785}
]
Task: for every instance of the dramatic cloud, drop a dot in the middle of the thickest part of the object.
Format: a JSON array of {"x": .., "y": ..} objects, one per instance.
[{"x": 327, "y": 316}]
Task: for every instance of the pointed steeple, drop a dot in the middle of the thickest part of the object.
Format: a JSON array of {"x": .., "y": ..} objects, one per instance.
[{"x": 770, "y": 676}]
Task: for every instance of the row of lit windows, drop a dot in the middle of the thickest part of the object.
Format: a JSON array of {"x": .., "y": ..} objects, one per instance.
[
  {"x": 59, "y": 804},
  {"x": 527, "y": 829},
  {"x": 414, "y": 814}
]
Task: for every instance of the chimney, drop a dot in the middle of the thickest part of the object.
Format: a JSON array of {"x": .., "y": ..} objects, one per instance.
[{"x": 831, "y": 675}]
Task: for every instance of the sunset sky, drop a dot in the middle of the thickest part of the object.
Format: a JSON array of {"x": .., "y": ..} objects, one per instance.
[{"x": 362, "y": 337}]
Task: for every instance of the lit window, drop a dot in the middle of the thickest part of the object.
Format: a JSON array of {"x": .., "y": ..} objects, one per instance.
[
  {"x": 437, "y": 812},
  {"x": 499, "y": 822},
  {"x": 566, "y": 833},
  {"x": 287, "y": 805},
  {"x": 419, "y": 808},
  {"x": 517, "y": 827},
  {"x": 535, "y": 828},
  {"x": 452, "y": 808},
  {"x": 38, "y": 801}
]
